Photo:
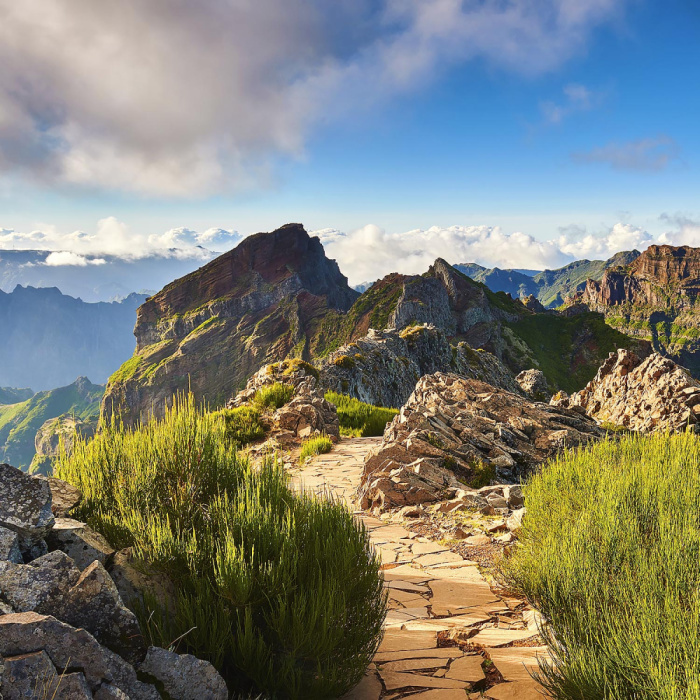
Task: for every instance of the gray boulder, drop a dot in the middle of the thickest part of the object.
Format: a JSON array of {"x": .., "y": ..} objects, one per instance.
[
  {"x": 184, "y": 677},
  {"x": 25, "y": 506},
  {"x": 9, "y": 546},
  {"x": 81, "y": 543},
  {"x": 34, "y": 676},
  {"x": 24, "y": 633}
]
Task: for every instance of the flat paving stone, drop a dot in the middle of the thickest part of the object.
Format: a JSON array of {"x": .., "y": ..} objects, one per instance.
[
  {"x": 394, "y": 681},
  {"x": 515, "y": 663},
  {"x": 440, "y": 695},
  {"x": 520, "y": 690}
]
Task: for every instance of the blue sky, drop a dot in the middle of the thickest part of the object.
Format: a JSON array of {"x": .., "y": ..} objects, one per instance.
[{"x": 575, "y": 130}]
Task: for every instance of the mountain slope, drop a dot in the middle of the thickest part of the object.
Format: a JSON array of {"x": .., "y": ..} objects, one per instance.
[
  {"x": 50, "y": 338},
  {"x": 211, "y": 330},
  {"x": 20, "y": 422}
]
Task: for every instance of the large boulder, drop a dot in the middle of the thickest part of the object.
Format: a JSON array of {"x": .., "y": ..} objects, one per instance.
[
  {"x": 455, "y": 432},
  {"x": 35, "y": 676},
  {"x": 183, "y": 676},
  {"x": 25, "y": 506},
  {"x": 76, "y": 649},
  {"x": 9, "y": 546},
  {"x": 645, "y": 395}
]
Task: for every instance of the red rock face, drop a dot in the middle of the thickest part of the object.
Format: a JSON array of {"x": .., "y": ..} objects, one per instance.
[{"x": 660, "y": 274}]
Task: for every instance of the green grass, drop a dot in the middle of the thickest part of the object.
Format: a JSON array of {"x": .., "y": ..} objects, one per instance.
[
  {"x": 313, "y": 446},
  {"x": 281, "y": 591},
  {"x": 242, "y": 424},
  {"x": 273, "y": 396},
  {"x": 610, "y": 554},
  {"x": 358, "y": 419}
]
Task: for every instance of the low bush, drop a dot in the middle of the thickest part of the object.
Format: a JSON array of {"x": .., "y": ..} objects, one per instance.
[
  {"x": 358, "y": 419},
  {"x": 242, "y": 424},
  {"x": 273, "y": 396},
  {"x": 315, "y": 446},
  {"x": 609, "y": 553},
  {"x": 282, "y": 592},
  {"x": 344, "y": 362}
]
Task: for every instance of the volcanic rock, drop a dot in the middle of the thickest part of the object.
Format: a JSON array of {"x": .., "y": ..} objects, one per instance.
[{"x": 534, "y": 384}]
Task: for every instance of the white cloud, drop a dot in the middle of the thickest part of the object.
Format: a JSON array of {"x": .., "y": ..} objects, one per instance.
[
  {"x": 577, "y": 98},
  {"x": 66, "y": 258},
  {"x": 114, "y": 238},
  {"x": 370, "y": 252},
  {"x": 179, "y": 98},
  {"x": 650, "y": 154},
  {"x": 685, "y": 231}
]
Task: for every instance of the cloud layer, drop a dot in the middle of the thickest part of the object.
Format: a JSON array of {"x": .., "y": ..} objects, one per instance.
[
  {"x": 179, "y": 98},
  {"x": 114, "y": 238},
  {"x": 650, "y": 154},
  {"x": 370, "y": 252}
]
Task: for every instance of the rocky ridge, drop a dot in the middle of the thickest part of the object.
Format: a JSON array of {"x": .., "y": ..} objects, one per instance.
[
  {"x": 383, "y": 367},
  {"x": 65, "y": 631},
  {"x": 644, "y": 395},
  {"x": 454, "y": 433}
]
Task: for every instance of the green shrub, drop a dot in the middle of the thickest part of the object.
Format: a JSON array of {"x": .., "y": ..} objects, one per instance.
[
  {"x": 242, "y": 424},
  {"x": 609, "y": 554},
  {"x": 282, "y": 592},
  {"x": 313, "y": 446},
  {"x": 358, "y": 419},
  {"x": 344, "y": 362},
  {"x": 273, "y": 396}
]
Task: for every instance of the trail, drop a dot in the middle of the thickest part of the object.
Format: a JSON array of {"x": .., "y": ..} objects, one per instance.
[{"x": 437, "y": 600}]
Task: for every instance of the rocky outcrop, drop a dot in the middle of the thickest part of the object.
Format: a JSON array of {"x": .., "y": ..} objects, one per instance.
[
  {"x": 56, "y": 432},
  {"x": 307, "y": 413},
  {"x": 65, "y": 630},
  {"x": 644, "y": 395},
  {"x": 211, "y": 330},
  {"x": 453, "y": 433},
  {"x": 533, "y": 383},
  {"x": 383, "y": 367}
]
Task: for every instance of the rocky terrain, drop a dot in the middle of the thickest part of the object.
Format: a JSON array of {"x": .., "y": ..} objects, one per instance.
[
  {"x": 455, "y": 434},
  {"x": 50, "y": 338},
  {"x": 653, "y": 298},
  {"x": 277, "y": 296},
  {"x": 644, "y": 395},
  {"x": 383, "y": 367},
  {"x": 20, "y": 423},
  {"x": 65, "y": 631}
]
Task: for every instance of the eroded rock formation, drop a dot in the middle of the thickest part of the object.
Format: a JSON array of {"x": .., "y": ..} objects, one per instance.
[
  {"x": 455, "y": 432},
  {"x": 644, "y": 395}
]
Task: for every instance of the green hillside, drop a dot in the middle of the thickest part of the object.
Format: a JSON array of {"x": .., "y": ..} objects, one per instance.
[
  {"x": 19, "y": 422},
  {"x": 9, "y": 395}
]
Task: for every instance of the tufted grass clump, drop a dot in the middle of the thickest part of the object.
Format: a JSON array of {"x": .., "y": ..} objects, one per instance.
[
  {"x": 273, "y": 396},
  {"x": 317, "y": 445},
  {"x": 359, "y": 419},
  {"x": 242, "y": 424},
  {"x": 610, "y": 554},
  {"x": 280, "y": 591}
]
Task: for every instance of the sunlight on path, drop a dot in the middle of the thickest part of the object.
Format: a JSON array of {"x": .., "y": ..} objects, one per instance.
[{"x": 437, "y": 599}]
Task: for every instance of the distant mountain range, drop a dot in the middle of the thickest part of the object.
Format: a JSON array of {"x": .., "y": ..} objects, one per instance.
[
  {"x": 103, "y": 278},
  {"x": 49, "y": 338},
  {"x": 551, "y": 287}
]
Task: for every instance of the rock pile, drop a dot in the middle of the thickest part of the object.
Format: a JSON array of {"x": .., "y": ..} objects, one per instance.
[
  {"x": 306, "y": 414},
  {"x": 642, "y": 395},
  {"x": 65, "y": 631},
  {"x": 454, "y": 432},
  {"x": 383, "y": 367}
]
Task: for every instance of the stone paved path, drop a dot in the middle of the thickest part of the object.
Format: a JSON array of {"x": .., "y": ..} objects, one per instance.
[{"x": 437, "y": 600}]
